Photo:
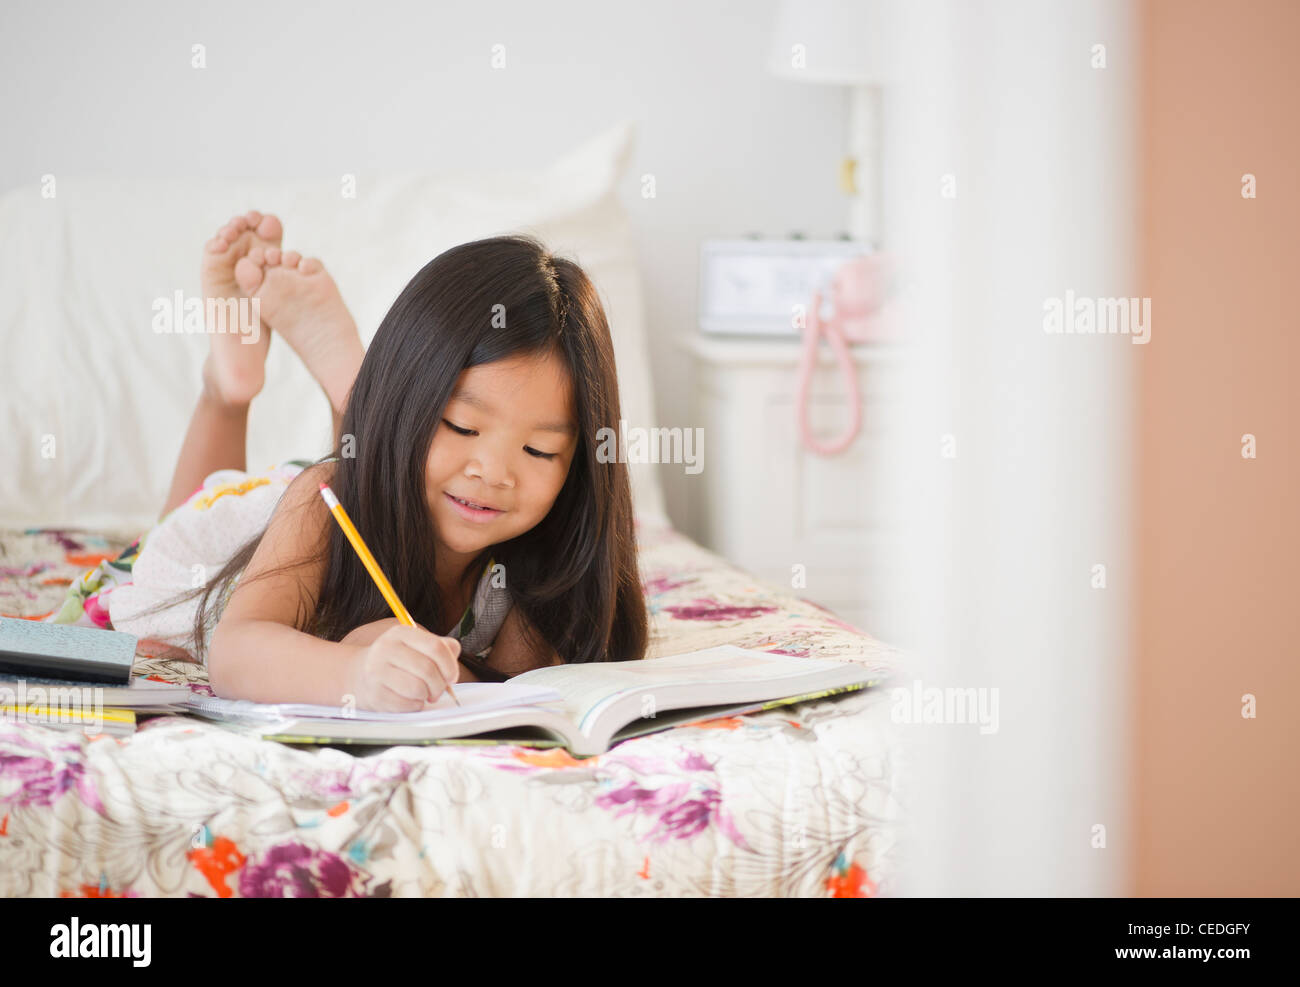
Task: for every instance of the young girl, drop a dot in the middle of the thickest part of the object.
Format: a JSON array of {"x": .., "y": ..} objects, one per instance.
[{"x": 463, "y": 452}]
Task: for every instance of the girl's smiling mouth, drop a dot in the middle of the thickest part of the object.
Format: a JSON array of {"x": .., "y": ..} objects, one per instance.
[{"x": 472, "y": 513}]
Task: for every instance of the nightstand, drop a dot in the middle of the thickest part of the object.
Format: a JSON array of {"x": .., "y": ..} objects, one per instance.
[{"x": 771, "y": 503}]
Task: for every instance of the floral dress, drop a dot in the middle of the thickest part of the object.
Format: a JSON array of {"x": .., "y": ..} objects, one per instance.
[{"x": 195, "y": 540}]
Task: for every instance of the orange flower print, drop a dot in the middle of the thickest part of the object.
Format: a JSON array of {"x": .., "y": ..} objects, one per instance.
[
  {"x": 849, "y": 880},
  {"x": 216, "y": 861},
  {"x": 95, "y": 891},
  {"x": 556, "y": 757},
  {"x": 720, "y": 723}
]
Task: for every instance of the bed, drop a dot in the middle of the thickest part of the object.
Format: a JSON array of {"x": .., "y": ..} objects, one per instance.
[{"x": 796, "y": 801}]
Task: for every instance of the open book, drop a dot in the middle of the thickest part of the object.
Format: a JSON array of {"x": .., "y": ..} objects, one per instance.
[{"x": 586, "y": 708}]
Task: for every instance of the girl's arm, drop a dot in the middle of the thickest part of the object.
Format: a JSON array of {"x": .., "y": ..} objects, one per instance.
[
  {"x": 256, "y": 653},
  {"x": 269, "y": 662}
]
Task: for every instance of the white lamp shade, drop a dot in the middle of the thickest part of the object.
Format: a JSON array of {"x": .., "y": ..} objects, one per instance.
[{"x": 839, "y": 42}]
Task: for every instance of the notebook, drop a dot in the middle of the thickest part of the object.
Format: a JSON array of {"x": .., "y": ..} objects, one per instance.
[
  {"x": 584, "y": 708},
  {"x": 91, "y": 719},
  {"x": 65, "y": 651},
  {"x": 144, "y": 694}
]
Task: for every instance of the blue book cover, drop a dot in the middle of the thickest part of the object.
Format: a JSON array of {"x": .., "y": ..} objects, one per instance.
[{"x": 65, "y": 651}]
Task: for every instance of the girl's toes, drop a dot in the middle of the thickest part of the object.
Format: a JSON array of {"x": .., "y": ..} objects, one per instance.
[
  {"x": 217, "y": 245},
  {"x": 257, "y": 255},
  {"x": 248, "y": 274},
  {"x": 273, "y": 256},
  {"x": 290, "y": 258},
  {"x": 253, "y": 217},
  {"x": 310, "y": 265},
  {"x": 268, "y": 227}
]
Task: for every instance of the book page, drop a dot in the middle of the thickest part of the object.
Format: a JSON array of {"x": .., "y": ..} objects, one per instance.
[
  {"x": 588, "y": 686},
  {"x": 475, "y": 698}
]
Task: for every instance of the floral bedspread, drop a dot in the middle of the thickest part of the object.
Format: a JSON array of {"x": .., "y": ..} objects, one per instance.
[{"x": 802, "y": 800}]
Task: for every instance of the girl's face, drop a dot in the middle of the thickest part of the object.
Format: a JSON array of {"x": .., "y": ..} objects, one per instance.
[{"x": 506, "y": 440}]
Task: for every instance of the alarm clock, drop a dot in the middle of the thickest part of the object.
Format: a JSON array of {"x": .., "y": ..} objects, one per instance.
[{"x": 752, "y": 287}]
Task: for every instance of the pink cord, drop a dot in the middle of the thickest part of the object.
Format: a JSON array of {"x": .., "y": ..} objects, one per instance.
[{"x": 835, "y": 337}]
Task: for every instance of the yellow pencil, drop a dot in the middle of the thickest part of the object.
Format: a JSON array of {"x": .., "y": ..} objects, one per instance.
[{"x": 371, "y": 565}]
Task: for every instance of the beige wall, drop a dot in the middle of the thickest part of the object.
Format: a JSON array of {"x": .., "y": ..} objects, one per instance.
[{"x": 1217, "y": 797}]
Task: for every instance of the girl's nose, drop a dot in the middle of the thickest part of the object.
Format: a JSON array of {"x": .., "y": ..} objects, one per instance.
[{"x": 491, "y": 471}]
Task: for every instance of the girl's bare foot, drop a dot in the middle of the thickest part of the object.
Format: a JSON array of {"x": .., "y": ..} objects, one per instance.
[
  {"x": 236, "y": 368},
  {"x": 301, "y": 302}
]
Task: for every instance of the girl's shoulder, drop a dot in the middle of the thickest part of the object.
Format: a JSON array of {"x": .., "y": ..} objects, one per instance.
[
  {"x": 302, "y": 500},
  {"x": 298, "y": 531},
  {"x": 322, "y": 472}
]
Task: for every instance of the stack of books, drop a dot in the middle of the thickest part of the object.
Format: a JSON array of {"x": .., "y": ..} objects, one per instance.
[{"x": 77, "y": 678}]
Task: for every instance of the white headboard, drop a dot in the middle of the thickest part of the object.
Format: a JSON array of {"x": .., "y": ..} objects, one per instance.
[{"x": 94, "y": 403}]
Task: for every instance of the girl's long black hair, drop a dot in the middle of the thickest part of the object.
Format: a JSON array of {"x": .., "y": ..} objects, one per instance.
[{"x": 574, "y": 576}]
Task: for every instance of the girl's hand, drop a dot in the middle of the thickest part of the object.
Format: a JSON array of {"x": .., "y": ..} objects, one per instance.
[{"x": 403, "y": 669}]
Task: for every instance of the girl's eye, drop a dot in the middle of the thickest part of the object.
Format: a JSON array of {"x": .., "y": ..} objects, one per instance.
[{"x": 469, "y": 431}]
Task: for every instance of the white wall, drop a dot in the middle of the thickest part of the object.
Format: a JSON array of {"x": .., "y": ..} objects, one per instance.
[
  {"x": 322, "y": 89},
  {"x": 995, "y": 586}
]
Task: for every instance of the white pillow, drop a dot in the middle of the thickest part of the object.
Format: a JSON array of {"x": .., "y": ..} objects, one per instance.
[{"x": 94, "y": 404}]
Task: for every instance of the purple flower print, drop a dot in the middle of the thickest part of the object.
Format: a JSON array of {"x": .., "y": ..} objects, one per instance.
[
  {"x": 64, "y": 540},
  {"x": 676, "y": 814},
  {"x": 646, "y": 765},
  {"x": 362, "y": 775},
  {"x": 292, "y": 870},
  {"x": 656, "y": 589},
  {"x": 41, "y": 781},
  {"x": 631, "y": 796},
  {"x": 663, "y": 584},
  {"x": 326, "y": 785},
  {"x": 688, "y": 817},
  {"x": 681, "y": 807},
  {"x": 23, "y": 571},
  {"x": 694, "y": 761},
  {"x": 700, "y": 609}
]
